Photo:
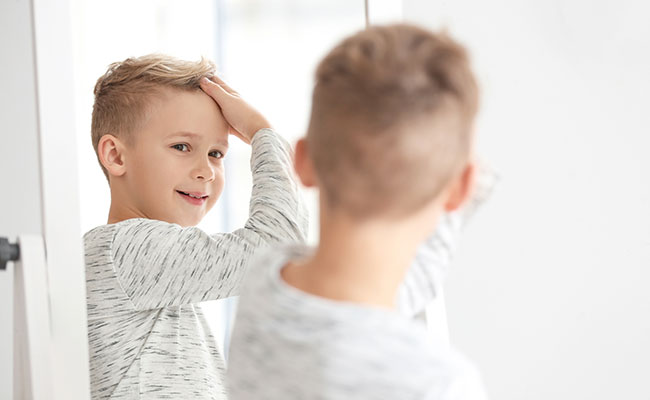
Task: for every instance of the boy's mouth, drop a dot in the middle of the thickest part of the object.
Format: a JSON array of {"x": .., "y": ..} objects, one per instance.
[{"x": 193, "y": 198}]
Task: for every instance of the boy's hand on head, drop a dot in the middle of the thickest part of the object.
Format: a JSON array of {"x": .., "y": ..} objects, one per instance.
[{"x": 242, "y": 117}]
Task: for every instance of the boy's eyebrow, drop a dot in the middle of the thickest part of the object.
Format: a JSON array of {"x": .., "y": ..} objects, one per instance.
[{"x": 194, "y": 135}]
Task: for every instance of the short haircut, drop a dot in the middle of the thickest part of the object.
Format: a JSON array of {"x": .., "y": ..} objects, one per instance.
[
  {"x": 124, "y": 94},
  {"x": 392, "y": 120}
]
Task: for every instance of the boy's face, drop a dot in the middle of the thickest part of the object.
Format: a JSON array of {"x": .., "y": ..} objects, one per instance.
[{"x": 174, "y": 167}]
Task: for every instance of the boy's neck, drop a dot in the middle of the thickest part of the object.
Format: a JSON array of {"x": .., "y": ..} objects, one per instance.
[
  {"x": 121, "y": 208},
  {"x": 361, "y": 263},
  {"x": 118, "y": 214}
]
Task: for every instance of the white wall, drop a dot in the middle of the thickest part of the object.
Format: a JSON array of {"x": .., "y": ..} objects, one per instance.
[{"x": 550, "y": 294}]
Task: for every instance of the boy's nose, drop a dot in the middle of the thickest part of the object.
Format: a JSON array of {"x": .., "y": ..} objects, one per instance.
[{"x": 203, "y": 171}]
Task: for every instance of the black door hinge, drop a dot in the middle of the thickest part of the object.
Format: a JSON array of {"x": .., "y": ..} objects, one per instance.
[{"x": 8, "y": 252}]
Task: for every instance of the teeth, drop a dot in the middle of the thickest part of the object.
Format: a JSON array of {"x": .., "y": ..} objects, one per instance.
[{"x": 191, "y": 195}]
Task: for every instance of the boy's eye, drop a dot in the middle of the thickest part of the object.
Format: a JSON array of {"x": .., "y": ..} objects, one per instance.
[
  {"x": 181, "y": 147},
  {"x": 216, "y": 154}
]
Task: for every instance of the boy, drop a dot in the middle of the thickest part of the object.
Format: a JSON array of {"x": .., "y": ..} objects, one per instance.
[
  {"x": 161, "y": 140},
  {"x": 389, "y": 147}
]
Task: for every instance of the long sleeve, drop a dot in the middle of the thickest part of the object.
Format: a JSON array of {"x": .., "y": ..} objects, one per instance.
[
  {"x": 427, "y": 273},
  {"x": 159, "y": 264}
]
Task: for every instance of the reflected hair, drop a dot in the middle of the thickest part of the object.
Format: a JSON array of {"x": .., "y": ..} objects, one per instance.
[{"x": 124, "y": 94}]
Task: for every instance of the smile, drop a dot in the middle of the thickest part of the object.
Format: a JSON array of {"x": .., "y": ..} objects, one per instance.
[{"x": 193, "y": 198}]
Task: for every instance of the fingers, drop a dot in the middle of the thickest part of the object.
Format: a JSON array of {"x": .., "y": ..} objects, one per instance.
[
  {"x": 214, "y": 90},
  {"x": 243, "y": 118},
  {"x": 224, "y": 85}
]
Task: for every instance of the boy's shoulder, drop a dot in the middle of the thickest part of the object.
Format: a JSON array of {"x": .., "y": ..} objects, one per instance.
[
  {"x": 264, "y": 294},
  {"x": 266, "y": 265}
]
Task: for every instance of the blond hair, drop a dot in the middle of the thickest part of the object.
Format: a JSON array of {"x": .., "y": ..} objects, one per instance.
[
  {"x": 123, "y": 95},
  {"x": 391, "y": 121}
]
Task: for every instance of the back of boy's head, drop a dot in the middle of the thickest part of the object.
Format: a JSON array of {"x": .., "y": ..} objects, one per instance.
[
  {"x": 125, "y": 93},
  {"x": 392, "y": 120}
]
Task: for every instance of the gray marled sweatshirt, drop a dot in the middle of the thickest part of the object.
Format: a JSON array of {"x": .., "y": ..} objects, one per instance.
[
  {"x": 291, "y": 345},
  {"x": 148, "y": 337}
]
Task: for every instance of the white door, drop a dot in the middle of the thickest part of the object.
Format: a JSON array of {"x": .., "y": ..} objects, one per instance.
[
  {"x": 39, "y": 194},
  {"x": 20, "y": 199}
]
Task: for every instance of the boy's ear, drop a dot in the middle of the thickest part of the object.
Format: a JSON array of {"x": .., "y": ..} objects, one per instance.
[
  {"x": 461, "y": 189},
  {"x": 110, "y": 151},
  {"x": 303, "y": 165}
]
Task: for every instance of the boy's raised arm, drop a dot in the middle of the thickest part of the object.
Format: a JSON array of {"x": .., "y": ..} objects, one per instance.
[
  {"x": 277, "y": 212},
  {"x": 427, "y": 273}
]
